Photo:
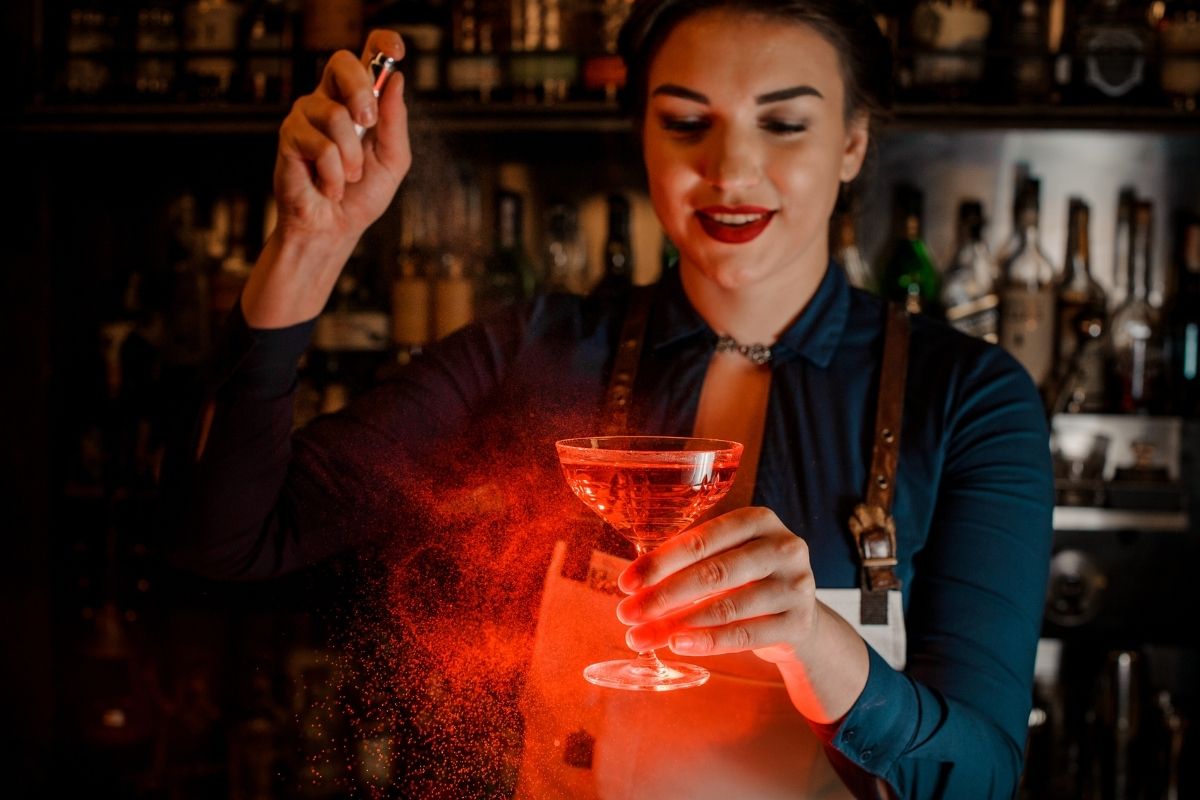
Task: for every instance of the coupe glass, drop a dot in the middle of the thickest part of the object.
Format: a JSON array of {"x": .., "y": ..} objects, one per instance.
[{"x": 649, "y": 488}]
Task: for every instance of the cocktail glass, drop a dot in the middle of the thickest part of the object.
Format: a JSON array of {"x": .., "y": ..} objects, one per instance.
[{"x": 649, "y": 488}]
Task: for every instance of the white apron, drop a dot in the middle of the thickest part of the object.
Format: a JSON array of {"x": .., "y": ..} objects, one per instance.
[{"x": 738, "y": 736}]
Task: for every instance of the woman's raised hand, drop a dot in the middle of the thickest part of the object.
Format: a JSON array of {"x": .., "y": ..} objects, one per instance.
[
  {"x": 327, "y": 179},
  {"x": 330, "y": 184}
]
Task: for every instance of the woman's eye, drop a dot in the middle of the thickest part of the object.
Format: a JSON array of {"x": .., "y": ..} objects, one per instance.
[
  {"x": 781, "y": 127},
  {"x": 689, "y": 126}
]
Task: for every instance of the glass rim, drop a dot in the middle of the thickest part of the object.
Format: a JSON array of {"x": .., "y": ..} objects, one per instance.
[{"x": 595, "y": 447}]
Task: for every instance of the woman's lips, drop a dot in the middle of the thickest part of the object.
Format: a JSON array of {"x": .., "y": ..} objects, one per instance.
[{"x": 736, "y": 224}]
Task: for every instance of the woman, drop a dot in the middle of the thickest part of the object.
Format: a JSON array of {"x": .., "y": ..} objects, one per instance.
[{"x": 753, "y": 114}]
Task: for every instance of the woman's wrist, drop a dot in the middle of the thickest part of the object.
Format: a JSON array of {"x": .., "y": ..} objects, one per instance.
[
  {"x": 830, "y": 670},
  {"x": 293, "y": 278}
]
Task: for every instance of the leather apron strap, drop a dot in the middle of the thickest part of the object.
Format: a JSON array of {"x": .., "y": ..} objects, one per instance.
[{"x": 873, "y": 527}]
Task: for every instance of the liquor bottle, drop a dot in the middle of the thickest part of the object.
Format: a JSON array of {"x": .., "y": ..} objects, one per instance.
[
  {"x": 543, "y": 66},
  {"x": 908, "y": 274},
  {"x": 453, "y": 296},
  {"x": 564, "y": 257},
  {"x": 92, "y": 30},
  {"x": 1112, "y": 41},
  {"x": 1028, "y": 41},
  {"x": 846, "y": 252},
  {"x": 156, "y": 43},
  {"x": 603, "y": 69},
  {"x": 473, "y": 69},
  {"x": 188, "y": 335},
  {"x": 1179, "y": 44},
  {"x": 1082, "y": 321},
  {"x": 1135, "y": 345},
  {"x": 210, "y": 37},
  {"x": 1121, "y": 247},
  {"x": 1021, "y": 174},
  {"x": 618, "y": 249},
  {"x": 509, "y": 277},
  {"x": 968, "y": 293},
  {"x": 412, "y": 296},
  {"x": 1183, "y": 322},
  {"x": 1026, "y": 292},
  {"x": 268, "y": 44},
  {"x": 950, "y": 38}
]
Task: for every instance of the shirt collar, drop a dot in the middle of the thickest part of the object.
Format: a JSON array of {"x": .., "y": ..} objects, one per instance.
[{"x": 813, "y": 335}]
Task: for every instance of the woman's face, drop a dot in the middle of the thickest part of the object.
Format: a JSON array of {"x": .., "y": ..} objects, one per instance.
[{"x": 745, "y": 142}]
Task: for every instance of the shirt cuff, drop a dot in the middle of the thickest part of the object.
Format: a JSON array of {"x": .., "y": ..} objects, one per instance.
[
  {"x": 263, "y": 361},
  {"x": 878, "y": 728}
]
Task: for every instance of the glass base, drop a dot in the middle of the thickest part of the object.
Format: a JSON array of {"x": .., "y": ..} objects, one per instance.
[{"x": 636, "y": 677}]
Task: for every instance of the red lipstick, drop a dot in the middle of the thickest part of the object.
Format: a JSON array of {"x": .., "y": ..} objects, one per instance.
[{"x": 734, "y": 224}]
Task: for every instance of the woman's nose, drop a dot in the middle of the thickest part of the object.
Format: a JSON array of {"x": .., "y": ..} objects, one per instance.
[{"x": 734, "y": 161}]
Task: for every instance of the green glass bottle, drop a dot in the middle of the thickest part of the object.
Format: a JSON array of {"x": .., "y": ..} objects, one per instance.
[{"x": 909, "y": 274}]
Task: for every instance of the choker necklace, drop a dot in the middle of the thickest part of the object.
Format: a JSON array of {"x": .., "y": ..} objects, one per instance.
[{"x": 759, "y": 354}]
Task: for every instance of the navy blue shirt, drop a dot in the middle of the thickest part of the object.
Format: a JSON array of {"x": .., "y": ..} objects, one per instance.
[{"x": 973, "y": 500}]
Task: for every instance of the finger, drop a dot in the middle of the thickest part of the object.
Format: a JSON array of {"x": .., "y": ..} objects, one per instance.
[
  {"x": 392, "y": 147},
  {"x": 301, "y": 141},
  {"x": 349, "y": 83},
  {"x": 759, "y": 599},
  {"x": 752, "y": 561},
  {"x": 738, "y": 637},
  {"x": 697, "y": 544},
  {"x": 333, "y": 120},
  {"x": 381, "y": 40}
]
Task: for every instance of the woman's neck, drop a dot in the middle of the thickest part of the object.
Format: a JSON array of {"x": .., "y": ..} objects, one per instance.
[{"x": 755, "y": 314}]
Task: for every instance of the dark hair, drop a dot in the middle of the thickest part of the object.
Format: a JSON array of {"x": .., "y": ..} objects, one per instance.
[{"x": 848, "y": 25}]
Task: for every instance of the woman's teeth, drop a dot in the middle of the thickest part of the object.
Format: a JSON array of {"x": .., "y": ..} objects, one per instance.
[{"x": 736, "y": 219}]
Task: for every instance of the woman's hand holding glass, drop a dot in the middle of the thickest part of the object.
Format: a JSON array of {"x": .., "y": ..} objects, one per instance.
[{"x": 743, "y": 582}]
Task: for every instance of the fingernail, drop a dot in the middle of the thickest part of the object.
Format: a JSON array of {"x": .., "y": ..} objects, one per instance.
[
  {"x": 630, "y": 580},
  {"x": 366, "y": 117},
  {"x": 682, "y": 642},
  {"x": 628, "y": 612}
]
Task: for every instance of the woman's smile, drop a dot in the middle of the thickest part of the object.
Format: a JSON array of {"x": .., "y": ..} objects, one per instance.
[{"x": 734, "y": 224}]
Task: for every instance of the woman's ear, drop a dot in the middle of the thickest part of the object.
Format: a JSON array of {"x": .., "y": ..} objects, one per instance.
[{"x": 858, "y": 136}]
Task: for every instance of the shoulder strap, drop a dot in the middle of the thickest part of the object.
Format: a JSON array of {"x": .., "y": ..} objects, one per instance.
[
  {"x": 872, "y": 525},
  {"x": 625, "y": 365}
]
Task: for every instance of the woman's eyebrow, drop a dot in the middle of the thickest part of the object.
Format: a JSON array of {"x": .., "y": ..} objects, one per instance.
[
  {"x": 788, "y": 94},
  {"x": 675, "y": 90}
]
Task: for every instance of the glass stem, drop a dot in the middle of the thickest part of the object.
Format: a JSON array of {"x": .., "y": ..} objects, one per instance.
[{"x": 647, "y": 659}]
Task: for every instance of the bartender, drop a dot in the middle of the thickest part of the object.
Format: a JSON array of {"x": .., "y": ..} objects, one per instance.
[{"x": 869, "y": 598}]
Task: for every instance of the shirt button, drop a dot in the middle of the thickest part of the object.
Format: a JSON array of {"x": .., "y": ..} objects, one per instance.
[
  {"x": 866, "y": 754},
  {"x": 850, "y": 733}
]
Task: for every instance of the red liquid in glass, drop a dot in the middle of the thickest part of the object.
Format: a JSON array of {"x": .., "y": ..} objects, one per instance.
[{"x": 649, "y": 503}]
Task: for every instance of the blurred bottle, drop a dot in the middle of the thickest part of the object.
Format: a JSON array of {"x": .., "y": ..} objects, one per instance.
[
  {"x": 1136, "y": 346},
  {"x": 210, "y": 38},
  {"x": 564, "y": 257},
  {"x": 231, "y": 218},
  {"x": 1183, "y": 321},
  {"x": 950, "y": 37},
  {"x": 269, "y": 39},
  {"x": 1028, "y": 41},
  {"x": 156, "y": 43},
  {"x": 1082, "y": 322},
  {"x": 618, "y": 249},
  {"x": 92, "y": 36},
  {"x": 1021, "y": 174},
  {"x": 1026, "y": 289},
  {"x": 257, "y": 741},
  {"x": 1179, "y": 43},
  {"x": 423, "y": 24},
  {"x": 412, "y": 295},
  {"x": 1121, "y": 246},
  {"x": 603, "y": 69},
  {"x": 473, "y": 69},
  {"x": 968, "y": 293},
  {"x": 543, "y": 65},
  {"x": 509, "y": 276},
  {"x": 352, "y": 335},
  {"x": 847, "y": 254},
  {"x": 1112, "y": 41},
  {"x": 188, "y": 336},
  {"x": 907, "y": 271}
]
